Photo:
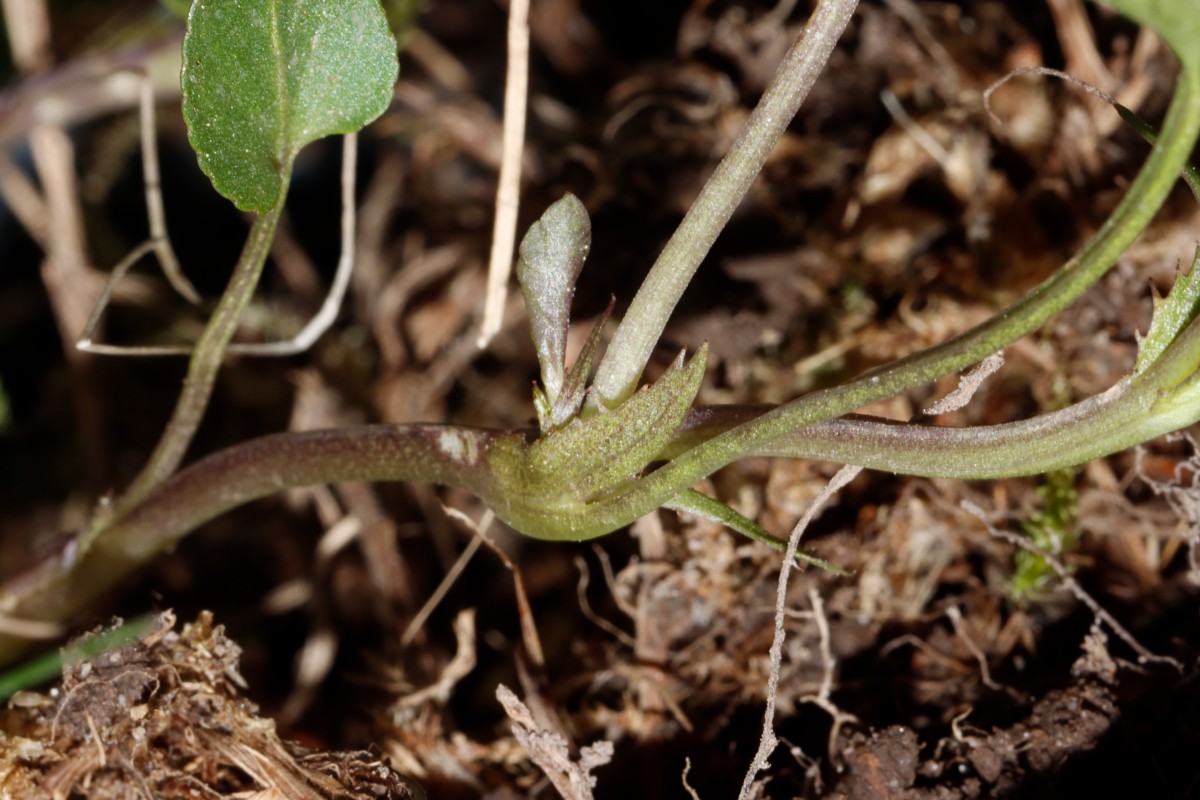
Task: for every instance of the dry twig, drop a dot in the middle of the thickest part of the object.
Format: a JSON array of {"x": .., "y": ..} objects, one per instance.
[
  {"x": 1144, "y": 655},
  {"x": 768, "y": 740},
  {"x": 572, "y": 779},
  {"x": 529, "y": 634}
]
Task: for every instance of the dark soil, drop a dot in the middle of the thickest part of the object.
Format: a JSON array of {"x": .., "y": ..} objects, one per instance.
[{"x": 948, "y": 662}]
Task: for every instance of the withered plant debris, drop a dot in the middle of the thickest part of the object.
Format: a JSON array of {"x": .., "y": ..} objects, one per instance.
[{"x": 165, "y": 717}]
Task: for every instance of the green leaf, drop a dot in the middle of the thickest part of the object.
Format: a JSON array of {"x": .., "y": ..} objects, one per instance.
[
  {"x": 1191, "y": 175},
  {"x": 1171, "y": 315},
  {"x": 85, "y": 648},
  {"x": 1176, "y": 21},
  {"x": 263, "y": 78},
  {"x": 574, "y": 388},
  {"x": 549, "y": 261},
  {"x": 693, "y": 502}
]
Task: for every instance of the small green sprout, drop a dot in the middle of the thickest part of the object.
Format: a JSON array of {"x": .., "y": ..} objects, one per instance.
[{"x": 1052, "y": 530}]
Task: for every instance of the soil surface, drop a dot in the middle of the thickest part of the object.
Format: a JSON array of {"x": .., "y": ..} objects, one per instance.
[{"x": 349, "y": 641}]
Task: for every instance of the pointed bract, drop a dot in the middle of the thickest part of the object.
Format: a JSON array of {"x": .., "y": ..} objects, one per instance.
[
  {"x": 599, "y": 455},
  {"x": 575, "y": 384},
  {"x": 1171, "y": 315}
]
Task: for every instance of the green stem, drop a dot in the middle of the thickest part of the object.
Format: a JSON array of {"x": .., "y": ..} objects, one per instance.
[
  {"x": 1145, "y": 196},
  {"x": 1132, "y": 215},
  {"x": 60, "y": 585},
  {"x": 1164, "y": 398},
  {"x": 643, "y": 324},
  {"x": 203, "y": 367}
]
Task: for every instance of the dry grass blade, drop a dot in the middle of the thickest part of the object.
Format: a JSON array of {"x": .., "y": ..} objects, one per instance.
[{"x": 529, "y": 634}]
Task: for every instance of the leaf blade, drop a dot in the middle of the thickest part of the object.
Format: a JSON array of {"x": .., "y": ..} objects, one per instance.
[
  {"x": 1172, "y": 315},
  {"x": 550, "y": 259},
  {"x": 263, "y": 78}
]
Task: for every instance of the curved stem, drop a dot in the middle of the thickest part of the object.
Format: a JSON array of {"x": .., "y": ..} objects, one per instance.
[
  {"x": 61, "y": 585},
  {"x": 1131, "y": 216},
  {"x": 1165, "y": 398},
  {"x": 640, "y": 329},
  {"x": 1093, "y": 428}
]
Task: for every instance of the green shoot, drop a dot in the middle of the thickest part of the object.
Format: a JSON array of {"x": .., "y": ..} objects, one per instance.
[
  {"x": 261, "y": 81},
  {"x": 622, "y": 366}
]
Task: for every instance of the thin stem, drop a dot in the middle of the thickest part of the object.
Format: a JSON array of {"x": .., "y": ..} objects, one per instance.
[
  {"x": 313, "y": 330},
  {"x": 316, "y": 327},
  {"x": 629, "y": 351},
  {"x": 85, "y": 341},
  {"x": 205, "y": 362},
  {"x": 1091, "y": 429},
  {"x": 62, "y": 584}
]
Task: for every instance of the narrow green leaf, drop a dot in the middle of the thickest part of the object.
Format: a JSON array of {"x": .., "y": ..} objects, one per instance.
[
  {"x": 263, "y": 78},
  {"x": 550, "y": 258},
  {"x": 1171, "y": 315},
  {"x": 1191, "y": 175},
  {"x": 49, "y": 666},
  {"x": 693, "y": 502}
]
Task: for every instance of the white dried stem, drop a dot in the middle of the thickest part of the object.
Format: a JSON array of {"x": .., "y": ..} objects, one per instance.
[
  {"x": 968, "y": 385},
  {"x": 159, "y": 244},
  {"x": 508, "y": 187},
  {"x": 768, "y": 740}
]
